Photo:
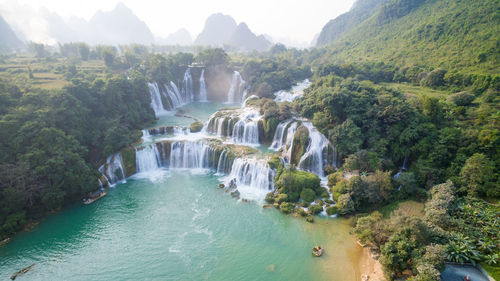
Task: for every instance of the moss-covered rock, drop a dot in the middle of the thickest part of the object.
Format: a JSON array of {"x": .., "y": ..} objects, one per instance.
[
  {"x": 332, "y": 210},
  {"x": 315, "y": 209},
  {"x": 269, "y": 197},
  {"x": 300, "y": 144},
  {"x": 267, "y": 127},
  {"x": 286, "y": 207},
  {"x": 128, "y": 159},
  {"x": 196, "y": 127},
  {"x": 302, "y": 212}
]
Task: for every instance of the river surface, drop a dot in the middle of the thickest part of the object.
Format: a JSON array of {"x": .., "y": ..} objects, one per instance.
[{"x": 177, "y": 225}]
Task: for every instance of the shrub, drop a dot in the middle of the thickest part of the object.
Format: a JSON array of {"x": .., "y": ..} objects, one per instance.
[
  {"x": 286, "y": 207},
  {"x": 315, "y": 209},
  {"x": 332, "y": 210},
  {"x": 282, "y": 198},
  {"x": 462, "y": 98},
  {"x": 345, "y": 204},
  {"x": 270, "y": 198},
  {"x": 301, "y": 212},
  {"x": 307, "y": 195},
  {"x": 434, "y": 78}
]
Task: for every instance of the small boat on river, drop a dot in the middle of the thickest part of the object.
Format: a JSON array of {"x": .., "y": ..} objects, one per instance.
[
  {"x": 317, "y": 251},
  {"x": 93, "y": 196}
]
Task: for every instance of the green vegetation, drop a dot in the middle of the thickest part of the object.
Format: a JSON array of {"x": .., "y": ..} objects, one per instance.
[
  {"x": 436, "y": 130},
  {"x": 459, "y": 36}
]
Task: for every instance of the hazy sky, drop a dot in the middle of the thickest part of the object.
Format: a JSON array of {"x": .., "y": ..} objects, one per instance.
[{"x": 296, "y": 20}]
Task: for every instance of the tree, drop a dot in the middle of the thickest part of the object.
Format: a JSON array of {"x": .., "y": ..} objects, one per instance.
[
  {"x": 83, "y": 50},
  {"x": 347, "y": 137},
  {"x": 476, "y": 176},
  {"x": 108, "y": 57},
  {"x": 213, "y": 57}
]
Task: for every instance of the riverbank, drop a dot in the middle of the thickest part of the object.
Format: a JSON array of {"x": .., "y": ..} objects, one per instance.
[{"x": 370, "y": 267}]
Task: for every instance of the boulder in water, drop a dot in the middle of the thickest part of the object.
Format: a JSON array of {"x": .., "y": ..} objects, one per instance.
[
  {"x": 309, "y": 219},
  {"x": 21, "y": 272},
  {"x": 235, "y": 194},
  {"x": 270, "y": 268},
  {"x": 196, "y": 127},
  {"x": 221, "y": 185}
]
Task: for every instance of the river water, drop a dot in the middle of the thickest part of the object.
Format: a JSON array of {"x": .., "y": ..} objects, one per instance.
[{"x": 177, "y": 225}]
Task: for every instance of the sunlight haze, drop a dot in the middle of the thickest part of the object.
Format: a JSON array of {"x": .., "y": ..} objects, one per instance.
[{"x": 290, "y": 20}]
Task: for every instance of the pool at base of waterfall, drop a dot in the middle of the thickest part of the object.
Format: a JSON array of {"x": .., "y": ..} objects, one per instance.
[{"x": 177, "y": 225}]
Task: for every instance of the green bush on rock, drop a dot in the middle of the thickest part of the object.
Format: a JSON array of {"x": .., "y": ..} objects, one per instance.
[
  {"x": 286, "y": 207},
  {"x": 315, "y": 209},
  {"x": 307, "y": 195}
]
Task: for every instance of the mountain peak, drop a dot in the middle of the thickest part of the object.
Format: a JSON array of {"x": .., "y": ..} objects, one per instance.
[{"x": 217, "y": 29}]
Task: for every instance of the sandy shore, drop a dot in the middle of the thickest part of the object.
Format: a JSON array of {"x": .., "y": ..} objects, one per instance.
[{"x": 370, "y": 268}]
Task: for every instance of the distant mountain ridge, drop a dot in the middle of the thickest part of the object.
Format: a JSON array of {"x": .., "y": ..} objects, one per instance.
[
  {"x": 8, "y": 39},
  {"x": 217, "y": 30},
  {"x": 180, "y": 37},
  {"x": 220, "y": 30},
  {"x": 337, "y": 27}
]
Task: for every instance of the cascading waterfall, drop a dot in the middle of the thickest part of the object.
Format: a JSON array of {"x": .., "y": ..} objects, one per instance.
[
  {"x": 253, "y": 177},
  {"x": 317, "y": 152},
  {"x": 173, "y": 95},
  {"x": 187, "y": 86},
  {"x": 316, "y": 155},
  {"x": 146, "y": 136},
  {"x": 241, "y": 126},
  {"x": 194, "y": 155},
  {"x": 156, "y": 102},
  {"x": 236, "y": 91},
  {"x": 283, "y": 136},
  {"x": 113, "y": 170},
  {"x": 203, "y": 87},
  {"x": 296, "y": 92},
  {"x": 147, "y": 159},
  {"x": 221, "y": 166},
  {"x": 246, "y": 132}
]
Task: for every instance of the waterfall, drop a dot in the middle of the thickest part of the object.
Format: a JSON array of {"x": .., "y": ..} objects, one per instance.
[
  {"x": 240, "y": 125},
  {"x": 253, "y": 177},
  {"x": 316, "y": 155},
  {"x": 194, "y": 155},
  {"x": 147, "y": 159},
  {"x": 187, "y": 86},
  {"x": 173, "y": 95},
  {"x": 237, "y": 89},
  {"x": 113, "y": 170},
  {"x": 203, "y": 87},
  {"x": 296, "y": 92},
  {"x": 156, "y": 102},
  {"x": 246, "y": 132},
  {"x": 146, "y": 136},
  {"x": 284, "y": 134},
  {"x": 221, "y": 165}
]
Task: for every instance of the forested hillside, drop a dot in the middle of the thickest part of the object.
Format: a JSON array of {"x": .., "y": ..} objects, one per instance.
[{"x": 454, "y": 35}]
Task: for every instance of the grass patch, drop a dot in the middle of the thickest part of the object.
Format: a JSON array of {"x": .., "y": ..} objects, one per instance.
[
  {"x": 407, "y": 208},
  {"x": 407, "y": 88},
  {"x": 493, "y": 271},
  {"x": 387, "y": 210}
]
